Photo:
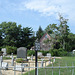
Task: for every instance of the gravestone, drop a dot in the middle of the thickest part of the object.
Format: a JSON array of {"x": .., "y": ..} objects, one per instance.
[
  {"x": 22, "y": 52},
  {"x": 50, "y": 60},
  {"x": 1, "y": 60},
  {"x": 4, "y": 65},
  {"x": 42, "y": 62},
  {"x": 12, "y": 62},
  {"x": 19, "y": 68},
  {"x": 4, "y": 51},
  {"x": 31, "y": 57},
  {"x": 48, "y": 55},
  {"x": 40, "y": 54},
  {"x": 54, "y": 59}
]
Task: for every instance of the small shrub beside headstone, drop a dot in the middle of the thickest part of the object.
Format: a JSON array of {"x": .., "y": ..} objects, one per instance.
[{"x": 20, "y": 60}]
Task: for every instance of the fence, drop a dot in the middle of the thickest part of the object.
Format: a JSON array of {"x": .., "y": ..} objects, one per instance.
[{"x": 41, "y": 69}]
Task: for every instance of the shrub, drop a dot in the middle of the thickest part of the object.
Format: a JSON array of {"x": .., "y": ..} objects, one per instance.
[
  {"x": 20, "y": 60},
  {"x": 44, "y": 53},
  {"x": 1, "y": 53},
  {"x": 30, "y": 52},
  {"x": 58, "y": 52},
  {"x": 11, "y": 49}
]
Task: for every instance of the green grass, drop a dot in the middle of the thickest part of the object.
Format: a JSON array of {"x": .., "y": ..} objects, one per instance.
[
  {"x": 6, "y": 58},
  {"x": 65, "y": 61}
]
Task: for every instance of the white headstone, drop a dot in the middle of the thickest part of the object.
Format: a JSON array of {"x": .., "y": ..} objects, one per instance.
[
  {"x": 54, "y": 59},
  {"x": 48, "y": 55},
  {"x": 31, "y": 57},
  {"x": 19, "y": 68},
  {"x": 40, "y": 54},
  {"x": 4, "y": 65},
  {"x": 4, "y": 51}
]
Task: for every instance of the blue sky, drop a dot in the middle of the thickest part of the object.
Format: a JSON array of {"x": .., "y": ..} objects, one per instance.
[{"x": 35, "y": 13}]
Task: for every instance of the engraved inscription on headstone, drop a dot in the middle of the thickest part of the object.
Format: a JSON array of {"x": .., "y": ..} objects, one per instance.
[{"x": 22, "y": 52}]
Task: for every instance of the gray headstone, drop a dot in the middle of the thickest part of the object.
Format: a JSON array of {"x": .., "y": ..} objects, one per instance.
[
  {"x": 42, "y": 62},
  {"x": 49, "y": 60},
  {"x": 22, "y": 52},
  {"x": 12, "y": 62},
  {"x": 1, "y": 60},
  {"x": 4, "y": 51}
]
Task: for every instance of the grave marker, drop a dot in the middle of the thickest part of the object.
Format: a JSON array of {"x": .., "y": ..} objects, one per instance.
[
  {"x": 22, "y": 52},
  {"x": 4, "y": 51}
]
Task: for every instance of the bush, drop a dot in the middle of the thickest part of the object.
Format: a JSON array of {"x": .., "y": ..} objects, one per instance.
[
  {"x": 44, "y": 53},
  {"x": 58, "y": 52},
  {"x": 11, "y": 49},
  {"x": 20, "y": 60},
  {"x": 30, "y": 52},
  {"x": 1, "y": 53}
]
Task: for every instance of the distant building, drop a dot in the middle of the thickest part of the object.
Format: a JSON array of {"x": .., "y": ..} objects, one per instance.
[{"x": 45, "y": 42}]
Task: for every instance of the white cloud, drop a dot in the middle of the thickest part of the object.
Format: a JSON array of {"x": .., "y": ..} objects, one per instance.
[{"x": 52, "y": 7}]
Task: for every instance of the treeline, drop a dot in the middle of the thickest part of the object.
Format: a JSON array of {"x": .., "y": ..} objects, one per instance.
[{"x": 15, "y": 35}]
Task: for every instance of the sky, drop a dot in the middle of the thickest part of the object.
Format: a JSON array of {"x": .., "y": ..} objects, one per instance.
[{"x": 35, "y": 13}]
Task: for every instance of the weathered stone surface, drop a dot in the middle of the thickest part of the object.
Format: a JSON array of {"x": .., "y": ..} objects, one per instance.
[{"x": 22, "y": 52}]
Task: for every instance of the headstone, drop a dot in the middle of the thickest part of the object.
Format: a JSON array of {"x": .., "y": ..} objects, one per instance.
[
  {"x": 54, "y": 59},
  {"x": 48, "y": 55},
  {"x": 4, "y": 65},
  {"x": 49, "y": 60},
  {"x": 4, "y": 51},
  {"x": 12, "y": 62},
  {"x": 42, "y": 62},
  {"x": 73, "y": 51},
  {"x": 40, "y": 54},
  {"x": 31, "y": 57},
  {"x": 19, "y": 68},
  {"x": 22, "y": 52},
  {"x": 1, "y": 60}
]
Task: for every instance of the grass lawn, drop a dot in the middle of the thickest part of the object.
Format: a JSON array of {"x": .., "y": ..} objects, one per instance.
[{"x": 64, "y": 61}]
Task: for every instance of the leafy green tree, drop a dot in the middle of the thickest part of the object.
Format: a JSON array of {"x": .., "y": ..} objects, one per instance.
[
  {"x": 8, "y": 33},
  {"x": 1, "y": 40},
  {"x": 39, "y": 33},
  {"x": 63, "y": 32},
  {"x": 14, "y": 35},
  {"x": 51, "y": 28}
]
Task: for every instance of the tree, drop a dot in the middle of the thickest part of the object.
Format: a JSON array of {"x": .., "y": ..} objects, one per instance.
[
  {"x": 9, "y": 31},
  {"x": 1, "y": 40},
  {"x": 14, "y": 35},
  {"x": 63, "y": 31},
  {"x": 39, "y": 33}
]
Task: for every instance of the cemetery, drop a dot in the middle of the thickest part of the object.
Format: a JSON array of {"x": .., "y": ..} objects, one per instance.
[
  {"x": 11, "y": 66},
  {"x": 21, "y": 64},
  {"x": 24, "y": 51}
]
